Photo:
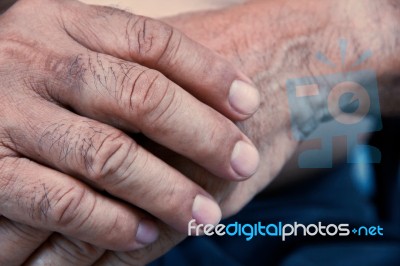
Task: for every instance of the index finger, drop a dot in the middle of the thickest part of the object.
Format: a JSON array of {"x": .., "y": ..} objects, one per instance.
[{"x": 157, "y": 45}]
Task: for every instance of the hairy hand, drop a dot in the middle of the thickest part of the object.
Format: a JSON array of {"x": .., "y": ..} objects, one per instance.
[
  {"x": 273, "y": 41},
  {"x": 73, "y": 77}
]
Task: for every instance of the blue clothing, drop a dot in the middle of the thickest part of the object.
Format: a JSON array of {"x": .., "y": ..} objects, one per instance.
[{"x": 333, "y": 198}]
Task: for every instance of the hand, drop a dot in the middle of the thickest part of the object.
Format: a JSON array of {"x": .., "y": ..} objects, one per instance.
[
  {"x": 73, "y": 76},
  {"x": 271, "y": 47},
  {"x": 274, "y": 41}
]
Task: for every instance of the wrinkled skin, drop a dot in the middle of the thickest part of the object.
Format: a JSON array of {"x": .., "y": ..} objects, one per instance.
[
  {"x": 75, "y": 80},
  {"x": 272, "y": 41}
]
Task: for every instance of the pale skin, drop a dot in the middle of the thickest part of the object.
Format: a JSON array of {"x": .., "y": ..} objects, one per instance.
[{"x": 270, "y": 31}]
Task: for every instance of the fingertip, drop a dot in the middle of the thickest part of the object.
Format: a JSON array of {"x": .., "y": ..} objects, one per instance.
[
  {"x": 244, "y": 160},
  {"x": 146, "y": 234},
  {"x": 244, "y": 98},
  {"x": 206, "y": 211}
]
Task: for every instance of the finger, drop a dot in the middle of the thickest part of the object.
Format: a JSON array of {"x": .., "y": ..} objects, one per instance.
[
  {"x": 112, "y": 161},
  {"x": 18, "y": 241},
  {"x": 167, "y": 240},
  {"x": 158, "y": 46},
  {"x": 48, "y": 200},
  {"x": 133, "y": 97},
  {"x": 60, "y": 250},
  {"x": 67, "y": 251}
]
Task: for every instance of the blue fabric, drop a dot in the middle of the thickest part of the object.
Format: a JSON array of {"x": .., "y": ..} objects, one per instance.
[{"x": 332, "y": 198}]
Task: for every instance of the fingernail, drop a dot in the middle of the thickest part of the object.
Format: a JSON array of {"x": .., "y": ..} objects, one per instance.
[
  {"x": 245, "y": 159},
  {"x": 206, "y": 211},
  {"x": 147, "y": 232},
  {"x": 244, "y": 98}
]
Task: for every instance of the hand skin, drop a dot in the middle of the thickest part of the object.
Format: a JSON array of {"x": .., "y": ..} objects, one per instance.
[
  {"x": 272, "y": 41},
  {"x": 73, "y": 77}
]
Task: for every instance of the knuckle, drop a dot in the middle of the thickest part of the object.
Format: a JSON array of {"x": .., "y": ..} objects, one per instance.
[
  {"x": 152, "y": 39},
  {"x": 88, "y": 148},
  {"x": 151, "y": 92},
  {"x": 112, "y": 156},
  {"x": 78, "y": 250},
  {"x": 74, "y": 72},
  {"x": 155, "y": 101},
  {"x": 145, "y": 36},
  {"x": 22, "y": 64},
  {"x": 172, "y": 49},
  {"x": 149, "y": 86},
  {"x": 27, "y": 233},
  {"x": 66, "y": 207}
]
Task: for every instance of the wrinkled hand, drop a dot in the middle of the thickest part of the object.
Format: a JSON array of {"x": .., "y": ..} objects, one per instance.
[
  {"x": 274, "y": 41},
  {"x": 271, "y": 46},
  {"x": 272, "y": 136},
  {"x": 73, "y": 77}
]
